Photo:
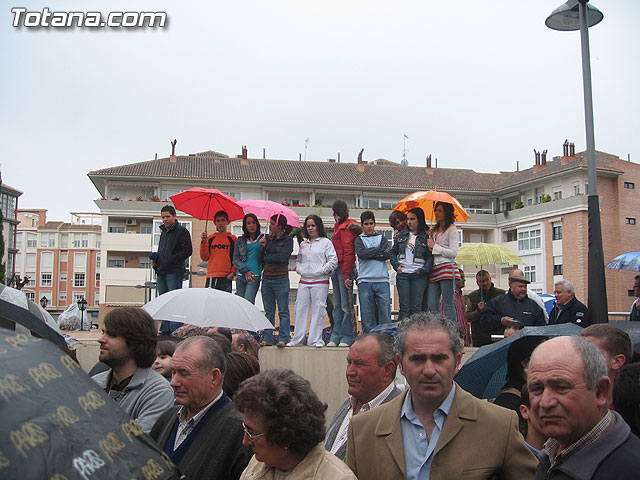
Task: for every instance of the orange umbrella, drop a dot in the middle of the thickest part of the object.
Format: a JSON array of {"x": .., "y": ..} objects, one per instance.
[{"x": 427, "y": 201}]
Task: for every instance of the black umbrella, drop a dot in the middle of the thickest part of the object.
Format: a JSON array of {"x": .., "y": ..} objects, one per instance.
[
  {"x": 57, "y": 423},
  {"x": 11, "y": 314},
  {"x": 485, "y": 373}
]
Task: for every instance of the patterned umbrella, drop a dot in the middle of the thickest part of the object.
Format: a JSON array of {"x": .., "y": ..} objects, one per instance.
[
  {"x": 626, "y": 261},
  {"x": 486, "y": 254}
]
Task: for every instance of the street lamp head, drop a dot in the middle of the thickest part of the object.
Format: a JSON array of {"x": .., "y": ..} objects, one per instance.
[{"x": 567, "y": 17}]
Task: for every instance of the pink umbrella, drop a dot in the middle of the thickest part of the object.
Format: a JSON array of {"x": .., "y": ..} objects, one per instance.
[{"x": 266, "y": 209}]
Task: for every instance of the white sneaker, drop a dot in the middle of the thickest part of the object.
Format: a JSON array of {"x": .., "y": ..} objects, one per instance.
[
  {"x": 319, "y": 345},
  {"x": 290, "y": 344},
  {"x": 342, "y": 344},
  {"x": 332, "y": 344}
]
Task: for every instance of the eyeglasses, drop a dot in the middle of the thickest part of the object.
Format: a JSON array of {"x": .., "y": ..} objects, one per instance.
[{"x": 251, "y": 436}]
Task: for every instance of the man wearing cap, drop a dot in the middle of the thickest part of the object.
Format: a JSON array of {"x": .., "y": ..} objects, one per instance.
[{"x": 514, "y": 305}]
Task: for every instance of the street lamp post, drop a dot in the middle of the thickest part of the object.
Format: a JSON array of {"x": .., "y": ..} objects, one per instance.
[
  {"x": 44, "y": 301},
  {"x": 579, "y": 15},
  {"x": 82, "y": 305}
]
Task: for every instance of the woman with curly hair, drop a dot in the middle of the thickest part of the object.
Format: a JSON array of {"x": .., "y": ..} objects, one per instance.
[{"x": 283, "y": 422}]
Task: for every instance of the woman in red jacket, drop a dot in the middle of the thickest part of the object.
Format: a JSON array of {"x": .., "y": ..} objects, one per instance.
[{"x": 345, "y": 232}]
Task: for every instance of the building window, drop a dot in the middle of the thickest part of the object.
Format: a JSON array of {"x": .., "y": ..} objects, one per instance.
[
  {"x": 78, "y": 296},
  {"x": 557, "y": 193},
  {"x": 557, "y": 230},
  {"x": 116, "y": 229},
  {"x": 32, "y": 279},
  {"x": 80, "y": 240},
  {"x": 32, "y": 240},
  {"x": 97, "y": 299},
  {"x": 236, "y": 195},
  {"x": 64, "y": 240},
  {"x": 629, "y": 185},
  {"x": 115, "y": 262},
  {"x": 97, "y": 261},
  {"x": 98, "y": 240},
  {"x": 30, "y": 295},
  {"x": 63, "y": 276},
  {"x": 530, "y": 273},
  {"x": 62, "y": 298},
  {"x": 387, "y": 205},
  {"x": 293, "y": 295},
  {"x": 144, "y": 262},
  {"x": 97, "y": 279},
  {"x": 576, "y": 188},
  {"x": 31, "y": 260},
  {"x": 529, "y": 239},
  {"x": 78, "y": 280},
  {"x": 510, "y": 236},
  {"x": 47, "y": 240},
  {"x": 146, "y": 229},
  {"x": 557, "y": 265},
  {"x": 630, "y": 221},
  {"x": 45, "y": 279},
  {"x": 64, "y": 257},
  {"x": 46, "y": 261},
  {"x": 79, "y": 261}
]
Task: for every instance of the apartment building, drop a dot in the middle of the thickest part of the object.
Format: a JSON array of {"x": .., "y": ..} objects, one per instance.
[
  {"x": 9, "y": 205},
  {"x": 61, "y": 259},
  {"x": 539, "y": 212}
]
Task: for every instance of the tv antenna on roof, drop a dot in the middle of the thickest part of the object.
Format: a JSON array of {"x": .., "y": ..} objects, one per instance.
[
  {"x": 404, "y": 162},
  {"x": 306, "y": 144}
]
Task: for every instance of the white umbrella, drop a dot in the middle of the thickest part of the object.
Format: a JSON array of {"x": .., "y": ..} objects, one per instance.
[{"x": 206, "y": 307}]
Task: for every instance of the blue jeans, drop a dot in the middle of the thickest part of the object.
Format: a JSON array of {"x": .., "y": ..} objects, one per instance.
[
  {"x": 374, "y": 295},
  {"x": 165, "y": 283},
  {"x": 444, "y": 288},
  {"x": 276, "y": 291},
  {"x": 247, "y": 290},
  {"x": 342, "y": 329},
  {"x": 410, "y": 290}
]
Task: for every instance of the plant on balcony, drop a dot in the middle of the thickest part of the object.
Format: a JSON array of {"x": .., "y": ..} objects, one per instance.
[
  {"x": 545, "y": 197},
  {"x": 139, "y": 198},
  {"x": 154, "y": 198},
  {"x": 518, "y": 205},
  {"x": 115, "y": 198}
]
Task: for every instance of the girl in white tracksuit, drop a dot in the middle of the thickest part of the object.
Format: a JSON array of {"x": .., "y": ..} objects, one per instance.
[{"x": 316, "y": 260}]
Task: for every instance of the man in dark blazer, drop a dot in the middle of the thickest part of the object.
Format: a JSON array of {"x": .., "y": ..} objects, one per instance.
[
  {"x": 371, "y": 369},
  {"x": 436, "y": 429},
  {"x": 567, "y": 307},
  {"x": 203, "y": 434}
]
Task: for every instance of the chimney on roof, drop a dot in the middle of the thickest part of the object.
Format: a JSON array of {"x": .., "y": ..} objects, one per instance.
[
  {"x": 264, "y": 153},
  {"x": 244, "y": 160},
  {"x": 338, "y": 157},
  {"x": 429, "y": 161},
  {"x": 572, "y": 149},
  {"x": 299, "y": 157},
  {"x": 360, "y": 164},
  {"x": 156, "y": 155},
  {"x": 541, "y": 164},
  {"x": 173, "y": 157},
  {"x": 565, "y": 148}
]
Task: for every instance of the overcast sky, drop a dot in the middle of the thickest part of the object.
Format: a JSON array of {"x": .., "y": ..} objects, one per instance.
[{"x": 477, "y": 84}]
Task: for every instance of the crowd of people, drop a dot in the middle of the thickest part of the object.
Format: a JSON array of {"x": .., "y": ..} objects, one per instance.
[
  {"x": 423, "y": 258},
  {"x": 570, "y": 409}
]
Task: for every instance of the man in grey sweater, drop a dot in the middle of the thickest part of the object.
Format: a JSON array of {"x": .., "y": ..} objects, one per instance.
[{"x": 128, "y": 346}]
